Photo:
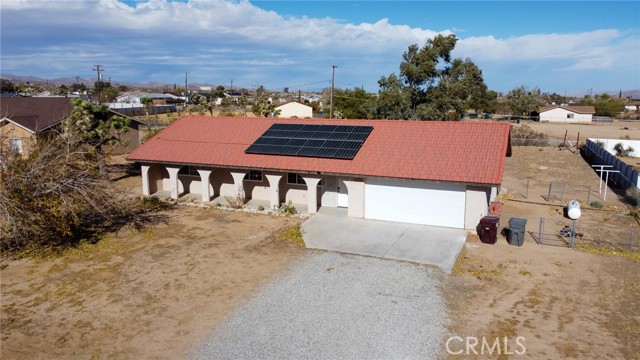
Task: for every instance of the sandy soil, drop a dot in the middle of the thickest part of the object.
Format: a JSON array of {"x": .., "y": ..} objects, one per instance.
[
  {"x": 563, "y": 302},
  {"x": 566, "y": 304},
  {"x": 615, "y": 130},
  {"x": 152, "y": 294}
]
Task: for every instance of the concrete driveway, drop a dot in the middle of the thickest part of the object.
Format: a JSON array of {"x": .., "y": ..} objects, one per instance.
[{"x": 331, "y": 229}]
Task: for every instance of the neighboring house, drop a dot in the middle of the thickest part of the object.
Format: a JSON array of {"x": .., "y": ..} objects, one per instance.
[
  {"x": 434, "y": 173},
  {"x": 294, "y": 109},
  {"x": 158, "y": 98},
  {"x": 567, "y": 113},
  {"x": 22, "y": 119}
]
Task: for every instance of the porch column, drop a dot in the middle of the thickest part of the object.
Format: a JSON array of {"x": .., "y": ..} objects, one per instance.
[
  {"x": 145, "y": 179},
  {"x": 355, "y": 188},
  {"x": 274, "y": 190},
  {"x": 312, "y": 193},
  {"x": 204, "y": 182},
  {"x": 173, "y": 180},
  {"x": 238, "y": 177}
]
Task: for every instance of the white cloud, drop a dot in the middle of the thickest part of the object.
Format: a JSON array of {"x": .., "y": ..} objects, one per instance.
[
  {"x": 598, "y": 49},
  {"x": 219, "y": 39}
]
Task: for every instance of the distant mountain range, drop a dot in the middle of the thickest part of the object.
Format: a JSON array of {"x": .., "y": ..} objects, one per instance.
[
  {"x": 151, "y": 85},
  {"x": 17, "y": 79}
]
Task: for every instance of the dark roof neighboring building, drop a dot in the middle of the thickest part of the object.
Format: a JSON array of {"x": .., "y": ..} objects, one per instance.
[
  {"x": 38, "y": 113},
  {"x": 35, "y": 113},
  {"x": 465, "y": 152}
]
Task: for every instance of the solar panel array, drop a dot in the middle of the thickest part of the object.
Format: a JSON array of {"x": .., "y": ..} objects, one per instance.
[{"x": 323, "y": 141}]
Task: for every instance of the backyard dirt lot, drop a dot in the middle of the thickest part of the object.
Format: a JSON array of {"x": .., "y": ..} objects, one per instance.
[
  {"x": 150, "y": 294},
  {"x": 562, "y": 302}
]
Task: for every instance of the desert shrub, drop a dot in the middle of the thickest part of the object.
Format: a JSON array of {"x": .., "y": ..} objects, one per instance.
[
  {"x": 599, "y": 143},
  {"x": 596, "y": 204},
  {"x": 621, "y": 150},
  {"x": 293, "y": 235},
  {"x": 235, "y": 201},
  {"x": 524, "y": 135},
  {"x": 260, "y": 208},
  {"x": 56, "y": 196},
  {"x": 287, "y": 208}
]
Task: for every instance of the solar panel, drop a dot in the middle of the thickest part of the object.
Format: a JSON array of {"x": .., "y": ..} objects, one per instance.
[{"x": 310, "y": 140}]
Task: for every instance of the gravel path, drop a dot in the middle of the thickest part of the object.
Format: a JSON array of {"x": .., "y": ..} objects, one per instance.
[{"x": 337, "y": 306}]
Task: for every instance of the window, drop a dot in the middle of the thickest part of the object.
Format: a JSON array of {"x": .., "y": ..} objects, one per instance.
[
  {"x": 293, "y": 178},
  {"x": 15, "y": 144},
  {"x": 570, "y": 116},
  {"x": 188, "y": 170},
  {"x": 254, "y": 175}
]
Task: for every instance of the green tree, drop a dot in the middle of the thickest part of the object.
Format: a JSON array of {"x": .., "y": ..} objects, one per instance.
[
  {"x": 350, "y": 104},
  {"x": 392, "y": 101},
  {"x": 522, "y": 101},
  {"x": 110, "y": 93},
  {"x": 95, "y": 128},
  {"x": 605, "y": 105},
  {"x": 147, "y": 103},
  {"x": 431, "y": 85},
  {"x": 7, "y": 86}
]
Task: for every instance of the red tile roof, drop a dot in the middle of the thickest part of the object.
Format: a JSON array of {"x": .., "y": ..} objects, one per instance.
[{"x": 467, "y": 152}]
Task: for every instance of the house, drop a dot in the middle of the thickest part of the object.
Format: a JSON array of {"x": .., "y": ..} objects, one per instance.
[
  {"x": 293, "y": 109},
  {"x": 434, "y": 173},
  {"x": 22, "y": 119},
  {"x": 157, "y": 98},
  {"x": 567, "y": 113}
]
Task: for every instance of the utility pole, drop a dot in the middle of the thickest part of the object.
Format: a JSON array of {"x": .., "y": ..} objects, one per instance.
[
  {"x": 99, "y": 69},
  {"x": 186, "y": 92},
  {"x": 231, "y": 85},
  {"x": 333, "y": 73}
]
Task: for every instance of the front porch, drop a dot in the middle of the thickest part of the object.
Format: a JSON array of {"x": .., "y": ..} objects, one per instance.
[{"x": 256, "y": 189}]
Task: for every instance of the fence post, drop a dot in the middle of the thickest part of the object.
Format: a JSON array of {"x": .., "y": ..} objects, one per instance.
[
  {"x": 549, "y": 194},
  {"x": 526, "y": 195},
  {"x": 541, "y": 230}
]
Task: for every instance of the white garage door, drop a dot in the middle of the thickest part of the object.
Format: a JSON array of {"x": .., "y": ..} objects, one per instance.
[{"x": 418, "y": 202}]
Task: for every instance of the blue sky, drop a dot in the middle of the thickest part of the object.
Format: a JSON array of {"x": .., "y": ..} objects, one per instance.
[{"x": 563, "y": 47}]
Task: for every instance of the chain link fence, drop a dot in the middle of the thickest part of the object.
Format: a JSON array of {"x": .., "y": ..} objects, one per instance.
[{"x": 561, "y": 232}]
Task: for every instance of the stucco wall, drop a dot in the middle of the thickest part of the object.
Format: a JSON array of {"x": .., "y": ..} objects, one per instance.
[
  {"x": 610, "y": 143},
  {"x": 295, "y": 109},
  {"x": 476, "y": 205},
  {"x": 10, "y": 130},
  {"x": 560, "y": 115}
]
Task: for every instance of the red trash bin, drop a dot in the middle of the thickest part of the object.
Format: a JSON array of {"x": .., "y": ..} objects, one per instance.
[{"x": 488, "y": 229}]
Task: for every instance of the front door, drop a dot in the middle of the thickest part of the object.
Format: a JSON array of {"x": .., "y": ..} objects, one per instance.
[{"x": 343, "y": 196}]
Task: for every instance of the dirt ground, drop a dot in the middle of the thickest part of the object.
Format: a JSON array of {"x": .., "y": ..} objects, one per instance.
[
  {"x": 614, "y": 130},
  {"x": 149, "y": 294},
  {"x": 564, "y": 303}
]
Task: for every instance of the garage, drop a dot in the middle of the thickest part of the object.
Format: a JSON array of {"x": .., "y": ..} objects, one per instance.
[{"x": 418, "y": 202}]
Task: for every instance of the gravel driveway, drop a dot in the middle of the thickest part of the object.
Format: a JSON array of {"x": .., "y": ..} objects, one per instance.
[{"x": 337, "y": 306}]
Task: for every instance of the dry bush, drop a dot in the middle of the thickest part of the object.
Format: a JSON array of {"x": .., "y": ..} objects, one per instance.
[
  {"x": 524, "y": 135},
  {"x": 58, "y": 196}
]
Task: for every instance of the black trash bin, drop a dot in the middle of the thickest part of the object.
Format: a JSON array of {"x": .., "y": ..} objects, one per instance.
[
  {"x": 488, "y": 229},
  {"x": 516, "y": 231}
]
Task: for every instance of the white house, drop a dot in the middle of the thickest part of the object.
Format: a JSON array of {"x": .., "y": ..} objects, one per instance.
[
  {"x": 567, "y": 113},
  {"x": 158, "y": 98},
  {"x": 432, "y": 172},
  {"x": 295, "y": 109}
]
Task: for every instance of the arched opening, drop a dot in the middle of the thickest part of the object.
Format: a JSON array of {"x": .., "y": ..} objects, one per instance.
[{"x": 158, "y": 175}]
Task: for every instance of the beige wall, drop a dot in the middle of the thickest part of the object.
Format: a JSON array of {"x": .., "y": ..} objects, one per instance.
[
  {"x": 476, "y": 205},
  {"x": 295, "y": 109},
  {"x": 355, "y": 189},
  {"x": 10, "y": 130}
]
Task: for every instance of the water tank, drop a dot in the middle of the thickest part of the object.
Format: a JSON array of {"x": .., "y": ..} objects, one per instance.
[{"x": 573, "y": 209}]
